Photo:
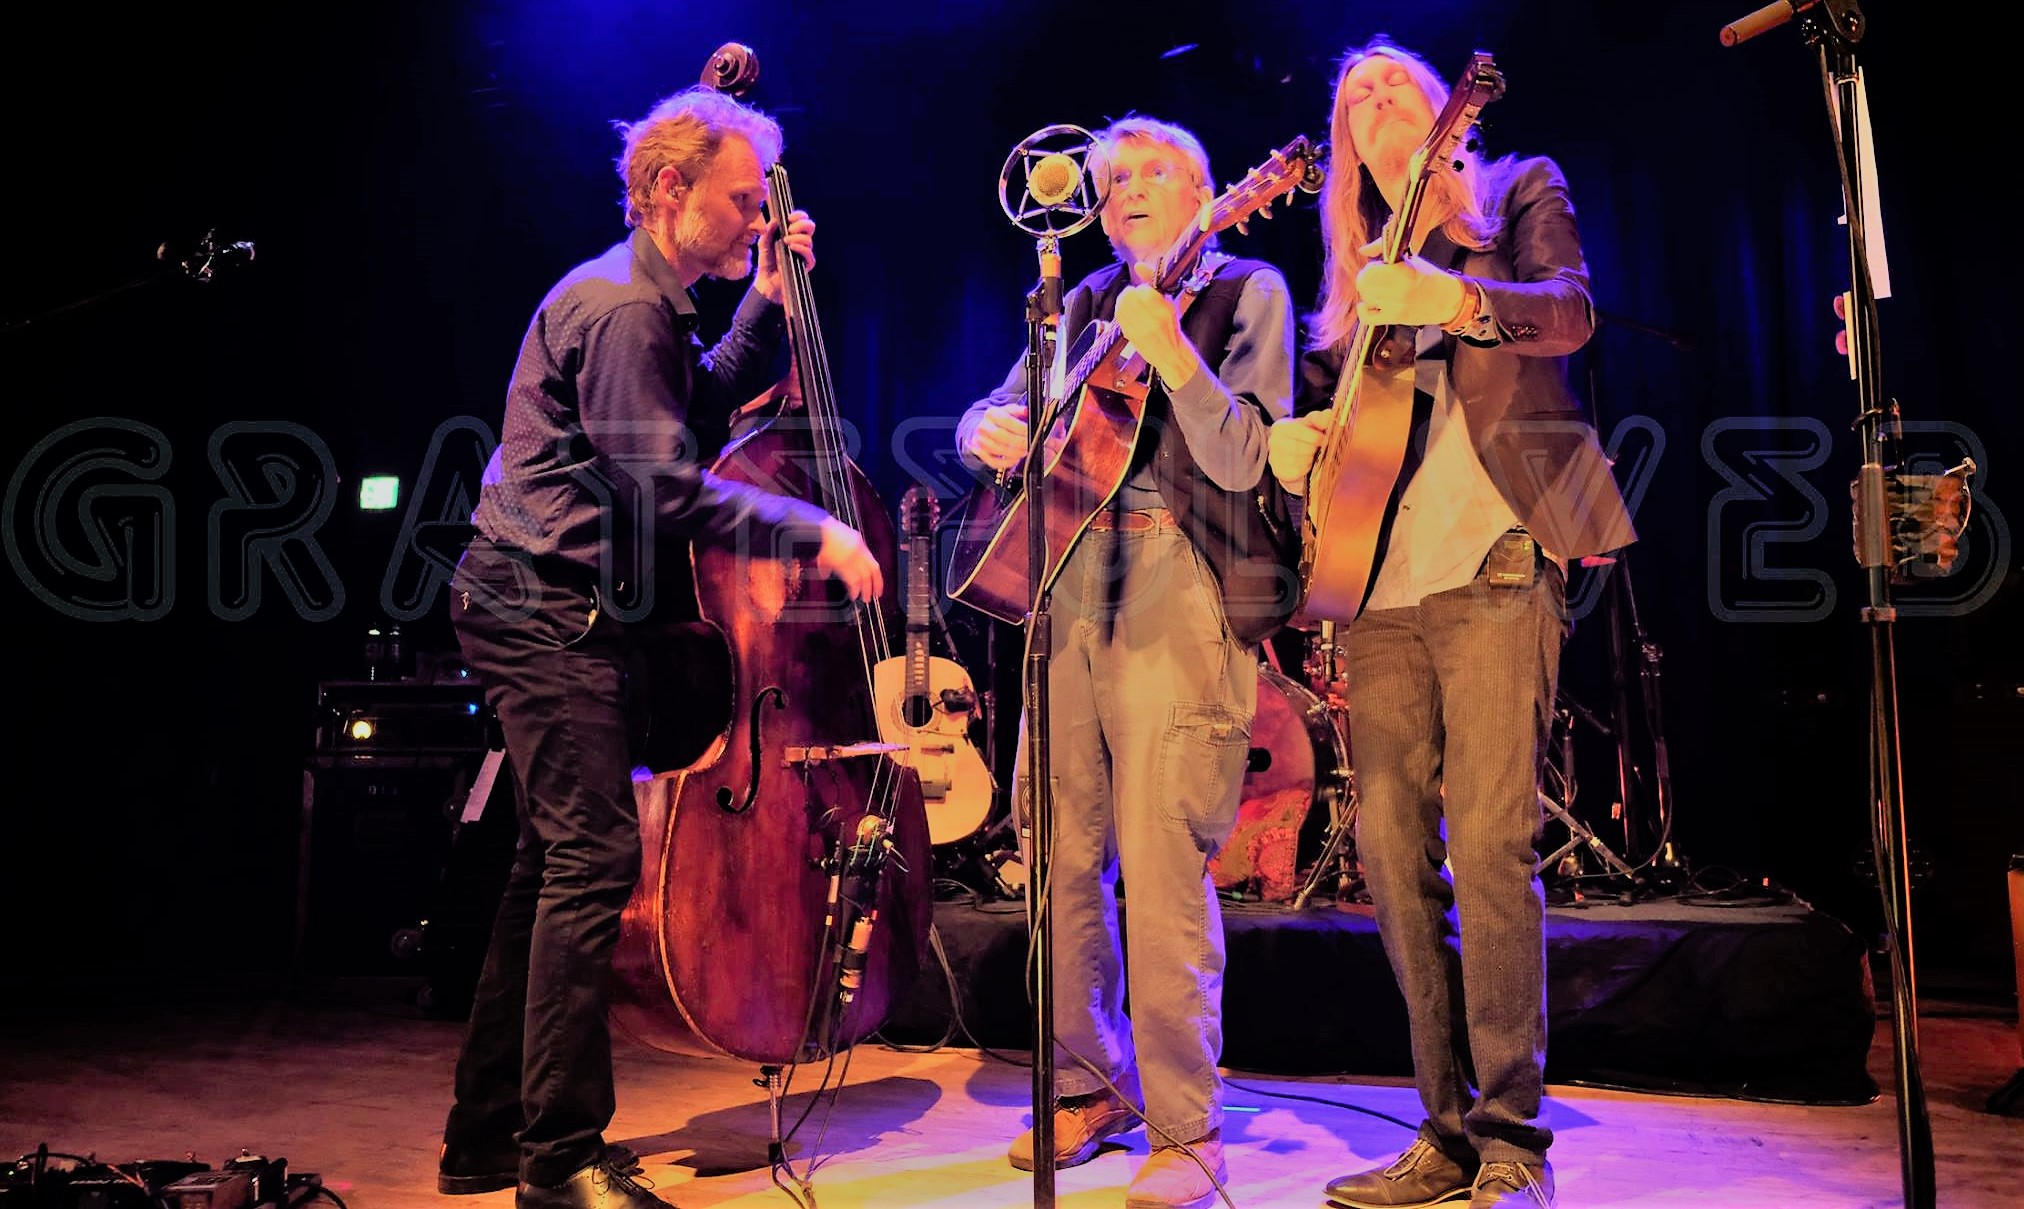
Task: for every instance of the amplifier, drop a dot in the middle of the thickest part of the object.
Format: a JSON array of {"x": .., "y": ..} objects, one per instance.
[{"x": 358, "y": 721}]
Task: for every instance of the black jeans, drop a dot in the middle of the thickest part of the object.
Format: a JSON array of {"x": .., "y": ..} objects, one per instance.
[{"x": 536, "y": 1061}]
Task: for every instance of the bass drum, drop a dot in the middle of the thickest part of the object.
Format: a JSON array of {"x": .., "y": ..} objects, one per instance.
[{"x": 1296, "y": 785}]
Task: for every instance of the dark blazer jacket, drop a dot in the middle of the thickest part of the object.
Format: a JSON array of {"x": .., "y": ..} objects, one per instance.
[{"x": 1527, "y": 426}]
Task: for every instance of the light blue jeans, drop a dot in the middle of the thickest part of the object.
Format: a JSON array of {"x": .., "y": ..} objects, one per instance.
[
  {"x": 1450, "y": 705},
  {"x": 1151, "y": 702}
]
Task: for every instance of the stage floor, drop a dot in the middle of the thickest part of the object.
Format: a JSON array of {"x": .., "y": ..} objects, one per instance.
[{"x": 351, "y": 1082}]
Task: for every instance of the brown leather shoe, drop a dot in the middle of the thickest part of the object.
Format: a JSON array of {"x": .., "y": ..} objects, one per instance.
[
  {"x": 1513, "y": 1186},
  {"x": 1081, "y": 1124},
  {"x": 1171, "y": 1179},
  {"x": 1421, "y": 1177}
]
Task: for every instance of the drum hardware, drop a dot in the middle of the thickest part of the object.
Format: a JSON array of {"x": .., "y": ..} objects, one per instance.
[
  {"x": 989, "y": 863},
  {"x": 1323, "y": 666},
  {"x": 1295, "y": 798},
  {"x": 1644, "y": 787},
  {"x": 1336, "y": 859},
  {"x": 1559, "y": 775}
]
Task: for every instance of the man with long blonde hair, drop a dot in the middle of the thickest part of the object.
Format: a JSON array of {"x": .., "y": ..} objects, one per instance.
[{"x": 1450, "y": 665}]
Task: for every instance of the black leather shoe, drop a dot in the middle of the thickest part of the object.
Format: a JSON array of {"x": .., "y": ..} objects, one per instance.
[
  {"x": 462, "y": 1172},
  {"x": 610, "y": 1183}
]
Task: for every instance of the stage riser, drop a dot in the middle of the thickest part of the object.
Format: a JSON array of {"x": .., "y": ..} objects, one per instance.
[{"x": 1772, "y": 1002}]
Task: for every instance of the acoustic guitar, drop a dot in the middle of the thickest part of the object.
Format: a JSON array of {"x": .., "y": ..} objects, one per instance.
[
  {"x": 1088, "y": 450},
  {"x": 1352, "y": 488},
  {"x": 926, "y": 702}
]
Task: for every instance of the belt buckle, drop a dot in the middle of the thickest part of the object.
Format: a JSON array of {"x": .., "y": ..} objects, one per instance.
[{"x": 1124, "y": 522}]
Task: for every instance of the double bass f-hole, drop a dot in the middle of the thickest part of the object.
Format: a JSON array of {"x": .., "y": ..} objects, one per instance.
[{"x": 778, "y": 697}]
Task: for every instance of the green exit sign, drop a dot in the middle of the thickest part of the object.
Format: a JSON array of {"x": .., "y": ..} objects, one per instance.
[{"x": 379, "y": 492}]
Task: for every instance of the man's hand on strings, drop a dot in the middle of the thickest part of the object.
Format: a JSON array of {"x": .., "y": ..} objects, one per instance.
[
  {"x": 999, "y": 439},
  {"x": 800, "y": 240},
  {"x": 1411, "y": 293},
  {"x": 1293, "y": 445},
  {"x": 845, "y": 556},
  {"x": 1152, "y": 322}
]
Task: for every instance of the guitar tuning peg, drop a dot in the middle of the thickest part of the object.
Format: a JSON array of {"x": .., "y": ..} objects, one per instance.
[
  {"x": 1266, "y": 213},
  {"x": 1243, "y": 226}
]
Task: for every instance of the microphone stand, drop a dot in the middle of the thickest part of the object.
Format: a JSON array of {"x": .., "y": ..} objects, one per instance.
[
  {"x": 1043, "y": 317},
  {"x": 199, "y": 262},
  {"x": 1833, "y": 27},
  {"x": 1628, "y": 643},
  {"x": 1067, "y": 198}
]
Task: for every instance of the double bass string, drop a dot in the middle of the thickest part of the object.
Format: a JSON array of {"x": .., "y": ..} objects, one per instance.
[
  {"x": 818, "y": 395},
  {"x": 832, "y": 485},
  {"x": 832, "y": 492},
  {"x": 832, "y": 482}
]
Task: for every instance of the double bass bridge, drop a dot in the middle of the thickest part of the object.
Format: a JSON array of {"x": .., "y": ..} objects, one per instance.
[{"x": 797, "y": 757}]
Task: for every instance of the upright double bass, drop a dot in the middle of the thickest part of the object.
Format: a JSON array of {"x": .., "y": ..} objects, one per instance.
[{"x": 783, "y": 895}]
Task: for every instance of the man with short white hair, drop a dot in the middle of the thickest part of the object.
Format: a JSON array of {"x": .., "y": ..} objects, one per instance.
[{"x": 1152, "y": 678}]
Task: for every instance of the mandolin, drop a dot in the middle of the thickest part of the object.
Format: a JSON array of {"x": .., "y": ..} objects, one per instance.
[{"x": 927, "y": 702}]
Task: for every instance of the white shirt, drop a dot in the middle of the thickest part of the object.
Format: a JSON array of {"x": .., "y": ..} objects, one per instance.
[{"x": 1451, "y": 512}]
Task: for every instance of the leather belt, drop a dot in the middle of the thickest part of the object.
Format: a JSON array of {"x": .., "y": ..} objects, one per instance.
[{"x": 1131, "y": 522}]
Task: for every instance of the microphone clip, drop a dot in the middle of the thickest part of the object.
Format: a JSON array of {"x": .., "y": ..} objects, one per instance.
[{"x": 1047, "y": 299}]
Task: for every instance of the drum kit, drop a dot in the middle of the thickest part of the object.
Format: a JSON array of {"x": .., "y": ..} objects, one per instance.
[{"x": 1295, "y": 819}]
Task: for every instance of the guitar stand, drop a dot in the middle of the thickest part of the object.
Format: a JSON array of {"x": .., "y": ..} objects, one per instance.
[{"x": 988, "y": 863}]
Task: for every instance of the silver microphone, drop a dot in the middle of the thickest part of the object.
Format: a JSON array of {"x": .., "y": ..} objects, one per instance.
[
  {"x": 1054, "y": 179},
  {"x": 862, "y": 895},
  {"x": 1046, "y": 187}
]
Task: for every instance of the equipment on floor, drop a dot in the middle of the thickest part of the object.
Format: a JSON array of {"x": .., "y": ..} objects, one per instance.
[
  {"x": 397, "y": 771},
  {"x": 50, "y": 1179}
]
